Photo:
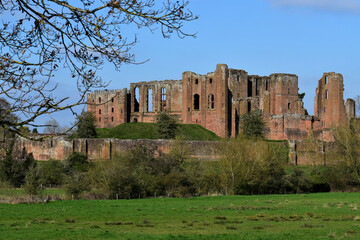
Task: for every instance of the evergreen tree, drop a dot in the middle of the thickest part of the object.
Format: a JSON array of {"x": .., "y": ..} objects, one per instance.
[
  {"x": 86, "y": 125},
  {"x": 253, "y": 124},
  {"x": 167, "y": 125}
]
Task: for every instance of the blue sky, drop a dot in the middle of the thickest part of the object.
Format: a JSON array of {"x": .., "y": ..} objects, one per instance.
[{"x": 303, "y": 37}]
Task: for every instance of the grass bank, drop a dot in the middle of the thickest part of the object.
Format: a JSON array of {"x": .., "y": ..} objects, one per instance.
[
  {"x": 309, "y": 216},
  {"x": 149, "y": 131}
]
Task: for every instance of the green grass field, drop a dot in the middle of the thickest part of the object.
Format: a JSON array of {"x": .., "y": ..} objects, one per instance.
[
  {"x": 148, "y": 131},
  {"x": 277, "y": 217}
]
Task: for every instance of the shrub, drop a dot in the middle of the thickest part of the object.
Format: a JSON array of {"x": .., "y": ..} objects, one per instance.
[
  {"x": 251, "y": 167},
  {"x": 32, "y": 181},
  {"x": 51, "y": 173},
  {"x": 76, "y": 183},
  {"x": 76, "y": 162}
]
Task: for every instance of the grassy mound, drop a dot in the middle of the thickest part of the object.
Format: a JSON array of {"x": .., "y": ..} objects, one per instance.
[{"x": 149, "y": 131}]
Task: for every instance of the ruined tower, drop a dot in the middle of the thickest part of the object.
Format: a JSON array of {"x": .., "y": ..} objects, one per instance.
[
  {"x": 329, "y": 103},
  {"x": 205, "y": 100},
  {"x": 109, "y": 107}
]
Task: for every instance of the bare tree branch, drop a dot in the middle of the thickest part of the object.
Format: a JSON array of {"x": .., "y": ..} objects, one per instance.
[{"x": 39, "y": 37}]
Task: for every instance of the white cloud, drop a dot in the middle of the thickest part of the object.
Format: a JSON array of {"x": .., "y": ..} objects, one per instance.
[{"x": 329, "y": 5}]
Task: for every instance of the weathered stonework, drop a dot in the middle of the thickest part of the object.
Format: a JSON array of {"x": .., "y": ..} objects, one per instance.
[
  {"x": 218, "y": 99},
  {"x": 97, "y": 148}
]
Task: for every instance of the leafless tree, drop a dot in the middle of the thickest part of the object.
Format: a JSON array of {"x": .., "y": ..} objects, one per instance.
[{"x": 38, "y": 37}]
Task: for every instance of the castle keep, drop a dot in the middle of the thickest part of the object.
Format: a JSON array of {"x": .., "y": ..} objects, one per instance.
[{"x": 218, "y": 99}]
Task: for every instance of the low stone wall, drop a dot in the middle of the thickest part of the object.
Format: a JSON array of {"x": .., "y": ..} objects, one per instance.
[
  {"x": 301, "y": 152},
  {"x": 311, "y": 153},
  {"x": 61, "y": 147}
]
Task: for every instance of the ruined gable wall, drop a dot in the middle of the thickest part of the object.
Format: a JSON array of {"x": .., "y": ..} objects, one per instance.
[{"x": 166, "y": 96}]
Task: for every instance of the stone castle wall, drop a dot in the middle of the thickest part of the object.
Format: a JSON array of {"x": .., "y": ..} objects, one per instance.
[
  {"x": 60, "y": 147},
  {"x": 301, "y": 152},
  {"x": 217, "y": 100}
]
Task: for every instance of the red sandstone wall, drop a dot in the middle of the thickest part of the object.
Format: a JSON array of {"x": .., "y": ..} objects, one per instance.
[
  {"x": 215, "y": 119},
  {"x": 109, "y": 107},
  {"x": 170, "y": 100},
  {"x": 235, "y": 93},
  {"x": 60, "y": 148}
]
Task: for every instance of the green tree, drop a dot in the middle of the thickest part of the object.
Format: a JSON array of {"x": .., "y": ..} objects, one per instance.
[
  {"x": 76, "y": 183},
  {"x": 167, "y": 125},
  {"x": 14, "y": 166},
  {"x": 253, "y": 124},
  {"x": 347, "y": 142},
  {"x": 249, "y": 166},
  {"x": 51, "y": 173},
  {"x": 86, "y": 125},
  {"x": 76, "y": 162},
  {"x": 33, "y": 181}
]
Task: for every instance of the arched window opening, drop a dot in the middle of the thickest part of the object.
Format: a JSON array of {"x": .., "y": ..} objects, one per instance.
[
  {"x": 112, "y": 119},
  {"x": 326, "y": 80},
  {"x": 288, "y": 106},
  {"x": 112, "y": 109},
  {"x": 99, "y": 99},
  {"x": 149, "y": 100},
  {"x": 99, "y": 111},
  {"x": 99, "y": 119},
  {"x": 112, "y": 100},
  {"x": 249, "y": 106},
  {"x": 210, "y": 80},
  {"x": 196, "y": 102},
  {"x": 211, "y": 104},
  {"x": 136, "y": 99},
  {"x": 326, "y": 95},
  {"x": 196, "y": 81},
  {"x": 163, "y": 99}
]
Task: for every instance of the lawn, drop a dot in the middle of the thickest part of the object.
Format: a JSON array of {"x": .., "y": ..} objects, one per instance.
[{"x": 309, "y": 216}]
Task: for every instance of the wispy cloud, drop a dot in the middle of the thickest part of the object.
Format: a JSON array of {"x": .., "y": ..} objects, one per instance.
[{"x": 352, "y": 6}]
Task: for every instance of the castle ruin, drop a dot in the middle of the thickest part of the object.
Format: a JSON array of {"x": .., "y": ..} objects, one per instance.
[{"x": 217, "y": 100}]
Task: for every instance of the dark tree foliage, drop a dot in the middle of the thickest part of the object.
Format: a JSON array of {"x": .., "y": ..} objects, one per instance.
[
  {"x": 76, "y": 162},
  {"x": 52, "y": 173},
  {"x": 37, "y": 38},
  {"x": 253, "y": 124},
  {"x": 301, "y": 96},
  {"x": 86, "y": 125},
  {"x": 13, "y": 167},
  {"x": 167, "y": 125}
]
